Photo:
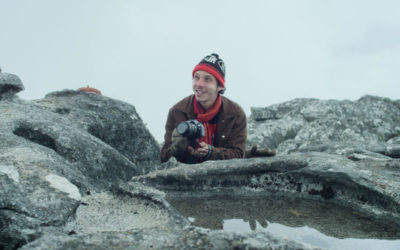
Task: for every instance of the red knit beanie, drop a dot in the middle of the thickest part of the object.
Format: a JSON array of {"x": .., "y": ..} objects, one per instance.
[{"x": 213, "y": 65}]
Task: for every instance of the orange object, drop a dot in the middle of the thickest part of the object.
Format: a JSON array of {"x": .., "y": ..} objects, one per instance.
[{"x": 90, "y": 89}]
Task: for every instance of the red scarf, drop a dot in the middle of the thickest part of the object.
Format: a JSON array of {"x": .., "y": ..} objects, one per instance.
[{"x": 205, "y": 116}]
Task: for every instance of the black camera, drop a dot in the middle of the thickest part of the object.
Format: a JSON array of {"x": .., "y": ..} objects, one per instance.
[{"x": 191, "y": 129}]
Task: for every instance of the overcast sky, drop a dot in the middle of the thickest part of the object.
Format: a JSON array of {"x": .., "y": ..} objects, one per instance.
[{"x": 143, "y": 52}]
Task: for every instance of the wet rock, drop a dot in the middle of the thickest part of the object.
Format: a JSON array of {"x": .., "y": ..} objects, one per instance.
[
  {"x": 265, "y": 212},
  {"x": 10, "y": 84},
  {"x": 369, "y": 185}
]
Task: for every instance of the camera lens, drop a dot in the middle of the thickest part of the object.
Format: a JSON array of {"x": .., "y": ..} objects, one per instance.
[
  {"x": 191, "y": 129},
  {"x": 182, "y": 128}
]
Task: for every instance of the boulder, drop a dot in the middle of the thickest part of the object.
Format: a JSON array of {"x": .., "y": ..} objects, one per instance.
[
  {"x": 114, "y": 122},
  {"x": 10, "y": 84},
  {"x": 367, "y": 126},
  {"x": 55, "y": 151},
  {"x": 369, "y": 185}
]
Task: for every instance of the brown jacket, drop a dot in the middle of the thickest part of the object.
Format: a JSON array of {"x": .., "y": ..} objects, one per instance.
[{"x": 230, "y": 134}]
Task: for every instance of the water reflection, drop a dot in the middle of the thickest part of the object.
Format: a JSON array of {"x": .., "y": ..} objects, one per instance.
[
  {"x": 315, "y": 238},
  {"x": 318, "y": 223}
]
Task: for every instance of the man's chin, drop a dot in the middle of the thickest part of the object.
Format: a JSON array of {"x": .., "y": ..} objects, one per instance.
[{"x": 199, "y": 98}]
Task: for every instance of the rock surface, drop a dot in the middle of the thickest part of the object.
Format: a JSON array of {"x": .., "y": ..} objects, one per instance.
[
  {"x": 372, "y": 186},
  {"x": 370, "y": 126},
  {"x": 59, "y": 149},
  {"x": 81, "y": 171},
  {"x": 191, "y": 238},
  {"x": 114, "y": 122},
  {"x": 10, "y": 84}
]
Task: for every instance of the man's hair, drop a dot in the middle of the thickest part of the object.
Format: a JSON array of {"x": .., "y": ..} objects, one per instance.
[{"x": 222, "y": 91}]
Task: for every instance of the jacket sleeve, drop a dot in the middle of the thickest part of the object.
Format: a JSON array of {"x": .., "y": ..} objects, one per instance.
[
  {"x": 174, "y": 118},
  {"x": 234, "y": 145},
  {"x": 166, "y": 152}
]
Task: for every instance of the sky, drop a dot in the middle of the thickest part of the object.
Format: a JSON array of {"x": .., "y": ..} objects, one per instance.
[{"x": 143, "y": 51}]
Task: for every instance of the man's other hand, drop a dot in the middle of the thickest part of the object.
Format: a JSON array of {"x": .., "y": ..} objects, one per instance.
[
  {"x": 201, "y": 152},
  {"x": 179, "y": 144}
]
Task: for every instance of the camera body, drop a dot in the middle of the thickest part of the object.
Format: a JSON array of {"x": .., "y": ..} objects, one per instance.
[{"x": 191, "y": 129}]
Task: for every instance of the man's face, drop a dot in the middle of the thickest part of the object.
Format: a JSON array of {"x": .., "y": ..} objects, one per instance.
[{"x": 205, "y": 88}]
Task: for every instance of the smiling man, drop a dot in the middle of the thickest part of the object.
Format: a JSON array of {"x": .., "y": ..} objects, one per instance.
[{"x": 223, "y": 121}]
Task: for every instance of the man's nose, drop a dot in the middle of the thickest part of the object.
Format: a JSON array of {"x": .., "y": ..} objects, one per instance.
[{"x": 200, "y": 82}]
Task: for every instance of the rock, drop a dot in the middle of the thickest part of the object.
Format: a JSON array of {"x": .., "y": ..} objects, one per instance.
[
  {"x": 29, "y": 201},
  {"x": 114, "y": 122},
  {"x": 339, "y": 127},
  {"x": 124, "y": 211},
  {"x": 192, "y": 238},
  {"x": 32, "y": 136},
  {"x": 262, "y": 114},
  {"x": 81, "y": 170},
  {"x": 10, "y": 84},
  {"x": 51, "y": 158},
  {"x": 369, "y": 185}
]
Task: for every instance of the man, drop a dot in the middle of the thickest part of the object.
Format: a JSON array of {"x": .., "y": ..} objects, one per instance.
[{"x": 224, "y": 121}]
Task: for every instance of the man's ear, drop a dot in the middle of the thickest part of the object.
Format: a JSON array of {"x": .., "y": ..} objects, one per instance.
[{"x": 220, "y": 90}]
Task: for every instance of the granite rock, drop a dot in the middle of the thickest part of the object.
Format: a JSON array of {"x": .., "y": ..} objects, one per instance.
[
  {"x": 368, "y": 125},
  {"x": 10, "y": 85},
  {"x": 80, "y": 170}
]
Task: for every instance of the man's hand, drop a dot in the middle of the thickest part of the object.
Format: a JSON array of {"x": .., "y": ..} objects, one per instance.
[
  {"x": 202, "y": 151},
  {"x": 179, "y": 144}
]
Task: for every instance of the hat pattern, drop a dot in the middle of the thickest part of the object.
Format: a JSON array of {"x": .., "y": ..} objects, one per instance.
[{"x": 213, "y": 65}]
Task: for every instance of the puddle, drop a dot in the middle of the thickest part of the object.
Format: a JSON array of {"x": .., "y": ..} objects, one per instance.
[{"x": 316, "y": 223}]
